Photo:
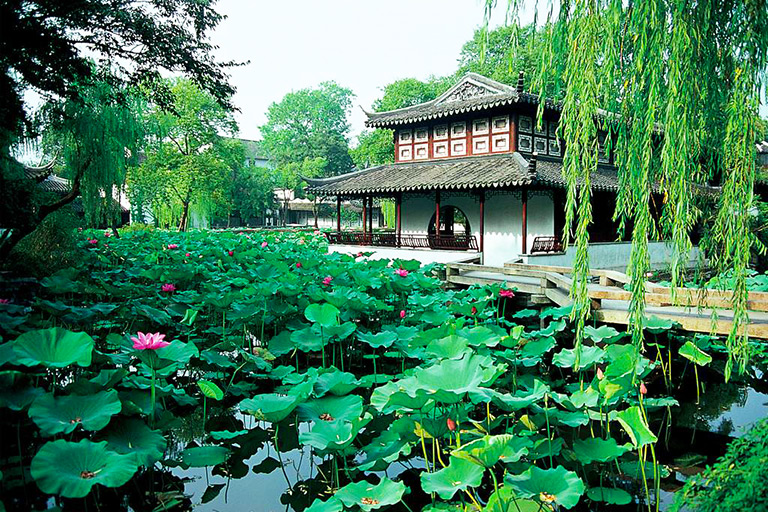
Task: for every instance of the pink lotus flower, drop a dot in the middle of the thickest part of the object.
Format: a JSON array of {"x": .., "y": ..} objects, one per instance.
[
  {"x": 600, "y": 374},
  {"x": 173, "y": 246},
  {"x": 298, "y": 264},
  {"x": 327, "y": 281},
  {"x": 151, "y": 341},
  {"x": 359, "y": 255},
  {"x": 402, "y": 313},
  {"x": 5, "y": 301},
  {"x": 107, "y": 233},
  {"x": 451, "y": 424},
  {"x": 643, "y": 389},
  {"x": 317, "y": 232},
  {"x": 168, "y": 287},
  {"x": 93, "y": 242},
  {"x": 506, "y": 294},
  {"x": 264, "y": 245},
  {"x": 473, "y": 311},
  {"x": 401, "y": 272},
  {"x": 230, "y": 252},
  {"x": 187, "y": 255}
]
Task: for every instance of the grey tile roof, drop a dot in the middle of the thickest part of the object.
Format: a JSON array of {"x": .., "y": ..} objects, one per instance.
[
  {"x": 472, "y": 93},
  {"x": 487, "y": 172}
]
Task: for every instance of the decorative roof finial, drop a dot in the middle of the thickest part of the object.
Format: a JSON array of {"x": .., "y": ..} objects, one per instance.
[
  {"x": 520, "y": 81},
  {"x": 532, "y": 164}
]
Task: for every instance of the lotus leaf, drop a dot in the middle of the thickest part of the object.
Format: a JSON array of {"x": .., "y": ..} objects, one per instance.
[
  {"x": 336, "y": 383},
  {"x": 332, "y": 505},
  {"x": 72, "y": 469},
  {"x": 588, "y": 356},
  {"x": 450, "y": 347},
  {"x": 609, "y": 495},
  {"x": 54, "y": 348},
  {"x": 449, "y": 380},
  {"x": 526, "y": 313},
  {"x": 62, "y": 415},
  {"x": 559, "y": 484},
  {"x": 332, "y": 408},
  {"x": 325, "y": 314},
  {"x": 596, "y": 449},
  {"x": 341, "y": 331},
  {"x": 635, "y": 425},
  {"x": 537, "y": 348},
  {"x": 383, "y": 450},
  {"x": 695, "y": 354},
  {"x": 522, "y": 398},
  {"x": 488, "y": 450},
  {"x": 482, "y": 336},
  {"x": 201, "y": 456},
  {"x": 378, "y": 340},
  {"x": 557, "y": 313},
  {"x": 368, "y": 496},
  {"x": 505, "y": 501},
  {"x": 658, "y": 325},
  {"x": 282, "y": 344},
  {"x": 633, "y": 469},
  {"x": 332, "y": 436},
  {"x": 459, "y": 475},
  {"x": 131, "y": 436},
  {"x": 210, "y": 389},
  {"x": 602, "y": 333},
  {"x": 220, "y": 435},
  {"x": 18, "y": 398},
  {"x": 269, "y": 406}
]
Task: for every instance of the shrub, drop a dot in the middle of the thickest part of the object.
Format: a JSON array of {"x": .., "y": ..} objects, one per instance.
[{"x": 737, "y": 481}]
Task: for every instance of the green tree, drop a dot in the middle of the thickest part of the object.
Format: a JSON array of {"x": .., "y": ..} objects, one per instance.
[
  {"x": 46, "y": 46},
  {"x": 250, "y": 192},
  {"x": 310, "y": 124},
  {"x": 95, "y": 135},
  {"x": 377, "y": 147},
  {"x": 189, "y": 162}
]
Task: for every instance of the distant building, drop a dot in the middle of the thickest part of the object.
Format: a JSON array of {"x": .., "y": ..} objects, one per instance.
[{"x": 302, "y": 212}]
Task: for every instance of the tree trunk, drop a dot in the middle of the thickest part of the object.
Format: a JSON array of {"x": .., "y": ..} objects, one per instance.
[{"x": 184, "y": 217}]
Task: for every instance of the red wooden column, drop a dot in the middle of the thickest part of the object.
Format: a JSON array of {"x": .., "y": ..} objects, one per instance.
[
  {"x": 398, "y": 213},
  {"x": 370, "y": 215},
  {"x": 525, "y": 221},
  {"x": 314, "y": 211},
  {"x": 338, "y": 214},
  {"x": 437, "y": 217},
  {"x": 481, "y": 245},
  {"x": 365, "y": 212}
]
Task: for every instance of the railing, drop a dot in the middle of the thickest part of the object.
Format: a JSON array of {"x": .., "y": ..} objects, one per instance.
[
  {"x": 390, "y": 239},
  {"x": 546, "y": 244}
]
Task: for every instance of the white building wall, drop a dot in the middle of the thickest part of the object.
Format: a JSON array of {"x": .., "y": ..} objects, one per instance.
[{"x": 503, "y": 219}]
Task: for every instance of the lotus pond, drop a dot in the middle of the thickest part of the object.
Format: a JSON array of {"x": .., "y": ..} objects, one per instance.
[{"x": 285, "y": 378}]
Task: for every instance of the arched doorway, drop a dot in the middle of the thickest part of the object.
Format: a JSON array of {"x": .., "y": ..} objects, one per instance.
[{"x": 455, "y": 230}]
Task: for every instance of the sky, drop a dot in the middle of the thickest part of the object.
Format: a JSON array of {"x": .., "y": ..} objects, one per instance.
[{"x": 360, "y": 44}]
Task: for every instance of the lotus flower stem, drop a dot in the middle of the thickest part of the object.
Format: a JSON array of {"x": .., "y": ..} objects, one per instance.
[
  {"x": 438, "y": 452},
  {"x": 152, "y": 399},
  {"x": 549, "y": 437}
]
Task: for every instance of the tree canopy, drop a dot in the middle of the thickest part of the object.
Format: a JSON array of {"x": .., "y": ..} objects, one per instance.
[
  {"x": 188, "y": 159},
  {"x": 309, "y": 124},
  {"x": 48, "y": 46}
]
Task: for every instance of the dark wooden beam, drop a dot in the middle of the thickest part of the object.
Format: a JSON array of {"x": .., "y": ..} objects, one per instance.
[
  {"x": 482, "y": 221},
  {"x": 338, "y": 214},
  {"x": 525, "y": 221},
  {"x": 398, "y": 214},
  {"x": 437, "y": 214}
]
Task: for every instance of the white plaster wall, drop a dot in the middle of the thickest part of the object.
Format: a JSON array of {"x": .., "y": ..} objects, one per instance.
[
  {"x": 503, "y": 219},
  {"x": 423, "y": 256},
  {"x": 612, "y": 256}
]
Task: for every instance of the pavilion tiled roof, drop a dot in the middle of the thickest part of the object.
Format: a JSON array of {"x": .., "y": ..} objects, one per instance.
[
  {"x": 475, "y": 172},
  {"x": 472, "y": 93}
]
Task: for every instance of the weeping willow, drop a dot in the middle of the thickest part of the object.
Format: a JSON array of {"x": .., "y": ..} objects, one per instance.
[{"x": 676, "y": 85}]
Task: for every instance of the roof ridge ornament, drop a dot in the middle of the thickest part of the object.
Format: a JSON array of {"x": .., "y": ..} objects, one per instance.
[{"x": 520, "y": 81}]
